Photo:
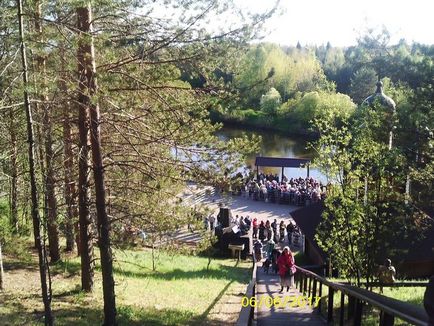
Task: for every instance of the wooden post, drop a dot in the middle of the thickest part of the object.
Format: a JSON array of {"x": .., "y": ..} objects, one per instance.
[
  {"x": 301, "y": 282},
  {"x": 296, "y": 279},
  {"x": 257, "y": 173},
  {"x": 320, "y": 295},
  {"x": 314, "y": 288},
  {"x": 342, "y": 310},
  {"x": 330, "y": 305},
  {"x": 358, "y": 313},
  {"x": 281, "y": 179},
  {"x": 308, "y": 170},
  {"x": 310, "y": 287},
  {"x": 386, "y": 319},
  {"x": 351, "y": 306}
]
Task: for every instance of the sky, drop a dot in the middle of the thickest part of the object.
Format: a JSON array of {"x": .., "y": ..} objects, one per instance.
[{"x": 341, "y": 21}]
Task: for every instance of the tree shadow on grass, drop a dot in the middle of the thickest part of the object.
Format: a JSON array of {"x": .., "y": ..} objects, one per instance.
[
  {"x": 84, "y": 314},
  {"x": 11, "y": 265},
  {"x": 68, "y": 293},
  {"x": 230, "y": 273},
  {"x": 15, "y": 313},
  {"x": 66, "y": 267},
  {"x": 126, "y": 315}
]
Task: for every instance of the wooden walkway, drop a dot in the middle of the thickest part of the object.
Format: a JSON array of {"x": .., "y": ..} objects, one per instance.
[{"x": 267, "y": 285}]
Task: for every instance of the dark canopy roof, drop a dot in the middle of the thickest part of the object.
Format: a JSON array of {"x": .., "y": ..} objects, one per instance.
[
  {"x": 417, "y": 246},
  {"x": 308, "y": 218},
  {"x": 280, "y": 162}
]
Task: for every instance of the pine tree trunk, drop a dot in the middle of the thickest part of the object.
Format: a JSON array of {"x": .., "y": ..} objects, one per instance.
[
  {"x": 46, "y": 296},
  {"x": 87, "y": 266},
  {"x": 68, "y": 165},
  {"x": 53, "y": 235},
  {"x": 1, "y": 269},
  {"x": 84, "y": 17},
  {"x": 14, "y": 175},
  {"x": 51, "y": 203},
  {"x": 85, "y": 221},
  {"x": 86, "y": 245}
]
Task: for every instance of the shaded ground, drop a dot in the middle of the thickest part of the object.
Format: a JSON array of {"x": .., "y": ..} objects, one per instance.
[{"x": 180, "y": 292}]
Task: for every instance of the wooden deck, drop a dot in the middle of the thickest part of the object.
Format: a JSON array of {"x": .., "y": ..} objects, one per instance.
[{"x": 267, "y": 285}]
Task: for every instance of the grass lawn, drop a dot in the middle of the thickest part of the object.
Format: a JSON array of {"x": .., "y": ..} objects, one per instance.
[{"x": 180, "y": 292}]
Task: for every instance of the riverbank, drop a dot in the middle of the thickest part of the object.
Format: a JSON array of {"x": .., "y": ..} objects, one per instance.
[
  {"x": 258, "y": 121},
  {"x": 274, "y": 144}
]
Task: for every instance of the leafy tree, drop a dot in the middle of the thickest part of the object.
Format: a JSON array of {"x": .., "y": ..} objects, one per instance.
[
  {"x": 268, "y": 65},
  {"x": 366, "y": 212},
  {"x": 322, "y": 106},
  {"x": 363, "y": 84},
  {"x": 271, "y": 101}
]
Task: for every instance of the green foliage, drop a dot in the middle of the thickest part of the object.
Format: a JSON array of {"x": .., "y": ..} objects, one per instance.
[
  {"x": 271, "y": 101},
  {"x": 321, "y": 106},
  {"x": 366, "y": 211},
  {"x": 363, "y": 84},
  {"x": 266, "y": 66},
  {"x": 5, "y": 226}
]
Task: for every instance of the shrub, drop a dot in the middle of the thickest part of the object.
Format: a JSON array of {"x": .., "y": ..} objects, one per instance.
[{"x": 271, "y": 101}]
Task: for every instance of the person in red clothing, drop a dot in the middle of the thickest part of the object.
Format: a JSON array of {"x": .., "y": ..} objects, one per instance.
[
  {"x": 255, "y": 228},
  {"x": 286, "y": 266}
]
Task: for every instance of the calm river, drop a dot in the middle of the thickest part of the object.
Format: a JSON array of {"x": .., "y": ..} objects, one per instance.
[{"x": 277, "y": 145}]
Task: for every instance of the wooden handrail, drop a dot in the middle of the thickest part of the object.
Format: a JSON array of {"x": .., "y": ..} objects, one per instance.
[
  {"x": 395, "y": 284},
  {"x": 392, "y": 307},
  {"x": 246, "y": 313}
]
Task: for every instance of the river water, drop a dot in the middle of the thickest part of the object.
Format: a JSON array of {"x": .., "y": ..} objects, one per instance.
[{"x": 276, "y": 145}]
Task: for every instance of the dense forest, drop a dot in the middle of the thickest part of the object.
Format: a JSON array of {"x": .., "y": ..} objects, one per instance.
[
  {"x": 106, "y": 112},
  {"x": 285, "y": 88}
]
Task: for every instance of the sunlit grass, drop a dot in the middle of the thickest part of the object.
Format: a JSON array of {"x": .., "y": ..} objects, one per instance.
[{"x": 180, "y": 292}]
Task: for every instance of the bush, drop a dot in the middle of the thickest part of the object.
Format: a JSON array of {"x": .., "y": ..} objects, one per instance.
[
  {"x": 5, "y": 227},
  {"x": 271, "y": 101},
  {"x": 322, "y": 105}
]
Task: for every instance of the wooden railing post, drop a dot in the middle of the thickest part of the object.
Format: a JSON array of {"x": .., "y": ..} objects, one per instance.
[
  {"x": 342, "y": 310},
  {"x": 386, "y": 319},
  {"x": 358, "y": 313},
  {"x": 320, "y": 295},
  {"x": 300, "y": 284},
  {"x": 330, "y": 305},
  {"x": 310, "y": 286},
  {"x": 351, "y": 307},
  {"x": 390, "y": 309},
  {"x": 314, "y": 288},
  {"x": 295, "y": 279}
]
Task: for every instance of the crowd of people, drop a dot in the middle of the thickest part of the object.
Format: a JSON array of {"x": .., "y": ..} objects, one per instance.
[
  {"x": 273, "y": 231},
  {"x": 266, "y": 236},
  {"x": 296, "y": 191},
  {"x": 242, "y": 223},
  {"x": 282, "y": 263}
]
